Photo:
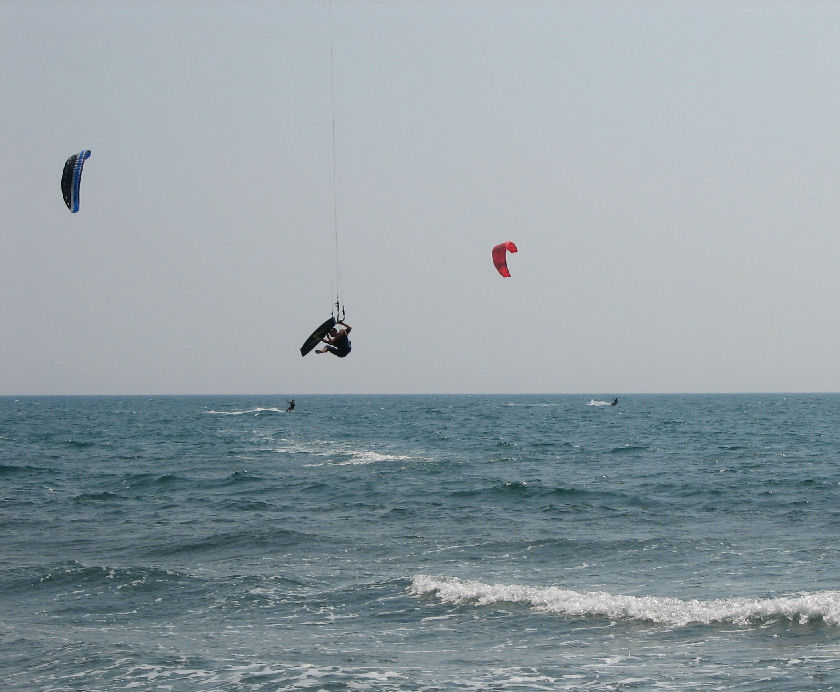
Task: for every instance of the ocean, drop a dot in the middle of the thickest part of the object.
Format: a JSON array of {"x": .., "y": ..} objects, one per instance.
[{"x": 501, "y": 542}]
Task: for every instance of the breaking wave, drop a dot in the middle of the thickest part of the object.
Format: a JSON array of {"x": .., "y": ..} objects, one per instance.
[
  {"x": 819, "y": 606},
  {"x": 258, "y": 411}
]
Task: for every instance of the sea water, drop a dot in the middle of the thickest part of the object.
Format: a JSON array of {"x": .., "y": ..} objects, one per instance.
[{"x": 420, "y": 542}]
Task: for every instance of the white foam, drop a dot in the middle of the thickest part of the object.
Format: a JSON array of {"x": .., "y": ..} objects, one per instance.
[
  {"x": 351, "y": 456},
  {"x": 800, "y": 608},
  {"x": 251, "y": 411},
  {"x": 371, "y": 457},
  {"x": 595, "y": 402}
]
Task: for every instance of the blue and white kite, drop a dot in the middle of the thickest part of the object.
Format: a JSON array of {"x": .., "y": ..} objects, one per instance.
[{"x": 71, "y": 178}]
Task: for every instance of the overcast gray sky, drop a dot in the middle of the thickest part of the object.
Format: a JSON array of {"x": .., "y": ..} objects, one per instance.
[{"x": 669, "y": 172}]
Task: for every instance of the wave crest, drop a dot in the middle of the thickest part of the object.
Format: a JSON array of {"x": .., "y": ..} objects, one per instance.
[
  {"x": 259, "y": 410},
  {"x": 799, "y": 609}
]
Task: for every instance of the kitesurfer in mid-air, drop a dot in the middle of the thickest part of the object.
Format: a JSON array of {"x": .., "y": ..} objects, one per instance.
[
  {"x": 291, "y": 406},
  {"x": 336, "y": 341}
]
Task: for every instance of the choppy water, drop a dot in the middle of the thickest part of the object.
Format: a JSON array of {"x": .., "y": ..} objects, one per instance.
[{"x": 420, "y": 543}]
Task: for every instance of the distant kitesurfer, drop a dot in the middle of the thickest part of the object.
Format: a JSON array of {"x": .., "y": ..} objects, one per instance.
[
  {"x": 291, "y": 406},
  {"x": 614, "y": 402},
  {"x": 336, "y": 341}
]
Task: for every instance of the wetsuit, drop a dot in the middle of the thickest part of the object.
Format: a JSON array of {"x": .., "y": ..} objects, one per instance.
[{"x": 341, "y": 346}]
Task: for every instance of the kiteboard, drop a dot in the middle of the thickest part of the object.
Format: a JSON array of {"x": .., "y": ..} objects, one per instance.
[{"x": 316, "y": 336}]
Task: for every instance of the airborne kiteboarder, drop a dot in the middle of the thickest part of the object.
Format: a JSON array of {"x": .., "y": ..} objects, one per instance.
[{"x": 336, "y": 341}]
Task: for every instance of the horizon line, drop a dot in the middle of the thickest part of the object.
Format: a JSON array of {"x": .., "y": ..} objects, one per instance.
[{"x": 494, "y": 394}]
